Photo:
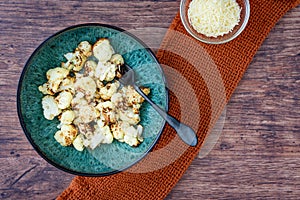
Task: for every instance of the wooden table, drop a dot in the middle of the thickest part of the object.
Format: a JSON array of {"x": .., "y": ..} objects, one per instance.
[{"x": 258, "y": 152}]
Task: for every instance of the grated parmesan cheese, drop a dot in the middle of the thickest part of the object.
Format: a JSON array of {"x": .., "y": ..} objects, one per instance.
[{"x": 214, "y": 18}]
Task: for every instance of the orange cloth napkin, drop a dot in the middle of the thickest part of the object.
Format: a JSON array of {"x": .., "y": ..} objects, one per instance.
[{"x": 201, "y": 79}]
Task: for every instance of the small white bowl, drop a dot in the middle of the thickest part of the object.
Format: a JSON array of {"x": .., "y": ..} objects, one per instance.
[{"x": 245, "y": 14}]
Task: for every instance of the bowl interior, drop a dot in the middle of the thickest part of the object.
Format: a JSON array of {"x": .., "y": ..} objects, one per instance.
[
  {"x": 107, "y": 158},
  {"x": 245, "y": 13}
]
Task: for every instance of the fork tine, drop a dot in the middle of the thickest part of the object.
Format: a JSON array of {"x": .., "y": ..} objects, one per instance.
[{"x": 128, "y": 77}]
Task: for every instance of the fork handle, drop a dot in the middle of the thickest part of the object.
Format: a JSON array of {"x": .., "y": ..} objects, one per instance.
[{"x": 186, "y": 133}]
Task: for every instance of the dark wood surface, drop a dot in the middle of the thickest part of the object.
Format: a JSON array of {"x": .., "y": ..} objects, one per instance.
[{"x": 258, "y": 152}]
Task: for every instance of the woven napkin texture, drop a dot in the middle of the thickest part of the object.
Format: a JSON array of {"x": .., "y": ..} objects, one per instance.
[{"x": 200, "y": 68}]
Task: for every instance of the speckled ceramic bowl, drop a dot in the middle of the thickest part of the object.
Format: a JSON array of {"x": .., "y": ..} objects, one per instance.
[{"x": 107, "y": 158}]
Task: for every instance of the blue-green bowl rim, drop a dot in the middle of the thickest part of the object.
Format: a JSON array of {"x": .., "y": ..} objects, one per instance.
[{"x": 27, "y": 133}]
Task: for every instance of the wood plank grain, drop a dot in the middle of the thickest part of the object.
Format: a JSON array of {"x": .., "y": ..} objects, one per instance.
[{"x": 257, "y": 155}]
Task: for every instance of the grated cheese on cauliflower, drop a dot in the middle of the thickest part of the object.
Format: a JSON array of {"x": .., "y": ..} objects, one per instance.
[{"x": 90, "y": 104}]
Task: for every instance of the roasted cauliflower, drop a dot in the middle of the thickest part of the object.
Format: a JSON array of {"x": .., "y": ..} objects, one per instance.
[
  {"x": 92, "y": 107},
  {"x": 66, "y": 135},
  {"x": 102, "y": 50},
  {"x": 50, "y": 107}
]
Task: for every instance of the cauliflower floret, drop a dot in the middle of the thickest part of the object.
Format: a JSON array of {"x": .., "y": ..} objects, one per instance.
[
  {"x": 136, "y": 108},
  {"x": 102, "y": 50},
  {"x": 78, "y": 100},
  {"x": 69, "y": 56},
  {"x": 117, "y": 130},
  {"x": 99, "y": 84},
  {"x": 64, "y": 99},
  {"x": 85, "y": 113},
  {"x": 124, "y": 132},
  {"x": 78, "y": 60},
  {"x": 66, "y": 135},
  {"x": 55, "y": 77},
  {"x": 107, "y": 113},
  {"x": 57, "y": 73},
  {"x": 85, "y": 47},
  {"x": 108, "y": 137},
  {"x": 101, "y": 121},
  {"x": 117, "y": 59},
  {"x": 133, "y": 97},
  {"x": 67, "y": 84},
  {"x": 133, "y": 136},
  {"x": 67, "y": 117},
  {"x": 129, "y": 116},
  {"x": 45, "y": 89},
  {"x": 117, "y": 99},
  {"x": 105, "y": 106},
  {"x": 108, "y": 90},
  {"x": 87, "y": 86},
  {"x": 60, "y": 138},
  {"x": 90, "y": 68},
  {"x": 106, "y": 71},
  {"x": 75, "y": 60},
  {"x": 50, "y": 107},
  {"x": 128, "y": 102},
  {"x": 78, "y": 143},
  {"x": 101, "y": 135},
  {"x": 85, "y": 129},
  {"x": 79, "y": 95},
  {"x": 97, "y": 97},
  {"x": 132, "y": 141}
]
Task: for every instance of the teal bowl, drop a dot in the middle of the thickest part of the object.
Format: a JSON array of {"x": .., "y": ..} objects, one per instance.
[{"x": 106, "y": 159}]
